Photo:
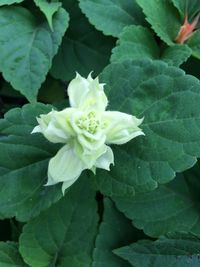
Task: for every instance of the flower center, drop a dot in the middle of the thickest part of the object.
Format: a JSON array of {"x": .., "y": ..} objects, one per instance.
[{"x": 89, "y": 122}]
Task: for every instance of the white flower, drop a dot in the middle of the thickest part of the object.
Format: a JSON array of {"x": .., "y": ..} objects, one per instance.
[{"x": 85, "y": 129}]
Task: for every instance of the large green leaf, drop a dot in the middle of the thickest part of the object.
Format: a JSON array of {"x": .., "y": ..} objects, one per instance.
[
  {"x": 64, "y": 234},
  {"x": 111, "y": 16},
  {"x": 180, "y": 250},
  {"x": 9, "y": 255},
  {"x": 28, "y": 47},
  {"x": 49, "y": 9},
  {"x": 163, "y": 17},
  {"x": 23, "y": 165},
  {"x": 83, "y": 48},
  {"x": 171, "y": 207},
  {"x": 160, "y": 94},
  {"x": 115, "y": 231},
  {"x": 137, "y": 42}
]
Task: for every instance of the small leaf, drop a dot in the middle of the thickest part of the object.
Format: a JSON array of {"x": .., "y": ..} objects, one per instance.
[
  {"x": 9, "y": 255},
  {"x": 64, "y": 234},
  {"x": 171, "y": 207},
  {"x": 49, "y": 9},
  {"x": 110, "y": 16},
  {"x": 115, "y": 231},
  {"x": 163, "y": 17},
  {"x": 23, "y": 165},
  {"x": 135, "y": 42},
  {"x": 178, "y": 251},
  {"x": 176, "y": 54},
  {"x": 159, "y": 93},
  {"x": 27, "y": 48}
]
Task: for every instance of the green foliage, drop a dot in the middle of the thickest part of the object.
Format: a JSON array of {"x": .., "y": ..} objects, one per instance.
[
  {"x": 28, "y": 47},
  {"x": 144, "y": 211},
  {"x": 149, "y": 89},
  {"x": 112, "y": 235},
  {"x": 171, "y": 207},
  {"x": 10, "y": 2},
  {"x": 64, "y": 234},
  {"x": 24, "y": 177},
  {"x": 136, "y": 42},
  {"x": 163, "y": 17},
  {"x": 83, "y": 48},
  {"x": 187, "y": 7},
  {"x": 49, "y": 9},
  {"x": 111, "y": 17},
  {"x": 9, "y": 255},
  {"x": 174, "y": 251}
]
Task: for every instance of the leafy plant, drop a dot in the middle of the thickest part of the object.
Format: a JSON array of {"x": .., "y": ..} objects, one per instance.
[{"x": 144, "y": 211}]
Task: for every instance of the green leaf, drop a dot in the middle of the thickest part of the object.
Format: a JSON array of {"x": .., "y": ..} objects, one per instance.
[
  {"x": 179, "y": 251},
  {"x": 23, "y": 165},
  {"x": 49, "y": 9},
  {"x": 194, "y": 43},
  {"x": 9, "y": 255},
  {"x": 163, "y": 17},
  {"x": 64, "y": 234},
  {"x": 27, "y": 48},
  {"x": 176, "y": 54},
  {"x": 110, "y": 16},
  {"x": 135, "y": 42},
  {"x": 171, "y": 207},
  {"x": 10, "y": 2},
  {"x": 190, "y": 8},
  {"x": 115, "y": 231},
  {"x": 159, "y": 93},
  {"x": 83, "y": 48}
]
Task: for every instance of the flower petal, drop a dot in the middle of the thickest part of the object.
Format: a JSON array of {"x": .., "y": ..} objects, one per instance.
[
  {"x": 66, "y": 166},
  {"x": 77, "y": 89},
  {"x": 87, "y": 94},
  {"x": 105, "y": 160},
  {"x": 121, "y": 127},
  {"x": 55, "y": 125}
]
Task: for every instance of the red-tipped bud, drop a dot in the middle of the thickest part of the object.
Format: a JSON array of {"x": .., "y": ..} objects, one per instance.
[{"x": 186, "y": 30}]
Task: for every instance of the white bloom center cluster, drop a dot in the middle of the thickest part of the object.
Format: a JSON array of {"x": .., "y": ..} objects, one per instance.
[{"x": 85, "y": 129}]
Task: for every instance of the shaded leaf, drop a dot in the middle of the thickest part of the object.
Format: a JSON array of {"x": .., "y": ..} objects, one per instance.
[
  {"x": 49, "y": 9},
  {"x": 64, "y": 234},
  {"x": 194, "y": 43},
  {"x": 176, "y": 55},
  {"x": 10, "y": 2},
  {"x": 23, "y": 165},
  {"x": 178, "y": 251},
  {"x": 83, "y": 48},
  {"x": 115, "y": 231},
  {"x": 9, "y": 255}
]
